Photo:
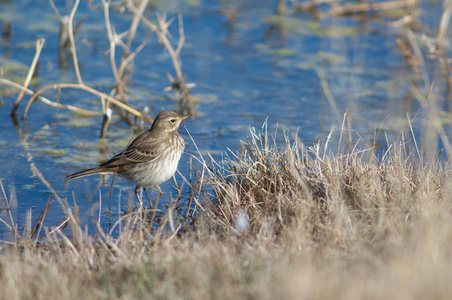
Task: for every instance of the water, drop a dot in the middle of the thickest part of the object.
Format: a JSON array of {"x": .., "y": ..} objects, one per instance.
[{"x": 257, "y": 67}]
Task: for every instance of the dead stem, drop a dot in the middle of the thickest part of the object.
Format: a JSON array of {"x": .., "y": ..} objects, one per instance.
[
  {"x": 118, "y": 73},
  {"x": 85, "y": 88},
  {"x": 162, "y": 32},
  {"x": 337, "y": 10},
  {"x": 329, "y": 96},
  {"x": 39, "y": 46},
  {"x": 49, "y": 102},
  {"x": 444, "y": 21},
  {"x": 72, "y": 41},
  {"x": 128, "y": 55}
]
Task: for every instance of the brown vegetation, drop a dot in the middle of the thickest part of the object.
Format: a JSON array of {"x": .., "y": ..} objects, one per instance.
[{"x": 313, "y": 225}]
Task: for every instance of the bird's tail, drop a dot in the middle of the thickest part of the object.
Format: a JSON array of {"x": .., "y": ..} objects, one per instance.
[{"x": 87, "y": 172}]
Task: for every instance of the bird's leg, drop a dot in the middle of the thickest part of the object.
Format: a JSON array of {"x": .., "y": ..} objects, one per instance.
[
  {"x": 137, "y": 189},
  {"x": 149, "y": 199},
  {"x": 160, "y": 193}
]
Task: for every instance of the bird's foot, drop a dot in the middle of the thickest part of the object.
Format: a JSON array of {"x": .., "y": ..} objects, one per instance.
[{"x": 149, "y": 199}]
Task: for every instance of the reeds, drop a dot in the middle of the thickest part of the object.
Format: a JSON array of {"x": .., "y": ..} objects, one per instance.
[{"x": 119, "y": 44}]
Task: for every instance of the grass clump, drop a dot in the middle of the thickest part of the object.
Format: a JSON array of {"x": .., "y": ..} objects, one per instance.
[{"x": 275, "y": 221}]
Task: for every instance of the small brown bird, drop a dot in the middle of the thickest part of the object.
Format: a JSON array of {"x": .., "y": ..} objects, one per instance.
[{"x": 151, "y": 158}]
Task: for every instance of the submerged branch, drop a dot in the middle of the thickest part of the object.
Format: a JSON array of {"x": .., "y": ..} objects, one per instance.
[
  {"x": 85, "y": 88},
  {"x": 31, "y": 71},
  {"x": 45, "y": 100}
]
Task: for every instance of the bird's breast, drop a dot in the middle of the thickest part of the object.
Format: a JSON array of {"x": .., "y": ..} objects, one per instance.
[{"x": 160, "y": 169}]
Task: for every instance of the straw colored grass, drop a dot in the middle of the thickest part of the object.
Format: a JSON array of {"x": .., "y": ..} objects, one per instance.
[{"x": 277, "y": 221}]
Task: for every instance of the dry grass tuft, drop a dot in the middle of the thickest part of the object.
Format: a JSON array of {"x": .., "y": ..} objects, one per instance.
[
  {"x": 291, "y": 186},
  {"x": 270, "y": 221}
]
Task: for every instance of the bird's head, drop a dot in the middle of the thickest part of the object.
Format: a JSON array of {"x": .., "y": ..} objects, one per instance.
[{"x": 168, "y": 121}]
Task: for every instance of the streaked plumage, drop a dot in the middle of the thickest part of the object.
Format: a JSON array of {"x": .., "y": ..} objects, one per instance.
[{"x": 151, "y": 158}]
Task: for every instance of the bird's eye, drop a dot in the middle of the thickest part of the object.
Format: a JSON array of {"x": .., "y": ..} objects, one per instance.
[{"x": 173, "y": 120}]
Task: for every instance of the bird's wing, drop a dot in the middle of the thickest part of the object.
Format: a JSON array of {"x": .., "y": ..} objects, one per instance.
[
  {"x": 140, "y": 154},
  {"x": 136, "y": 152}
]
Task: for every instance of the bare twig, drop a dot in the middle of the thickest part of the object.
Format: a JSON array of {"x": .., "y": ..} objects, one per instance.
[
  {"x": 425, "y": 101},
  {"x": 114, "y": 39},
  {"x": 49, "y": 102},
  {"x": 309, "y": 5},
  {"x": 134, "y": 25},
  {"x": 62, "y": 201},
  {"x": 444, "y": 22},
  {"x": 419, "y": 57},
  {"x": 85, "y": 88},
  {"x": 337, "y": 10},
  {"x": 368, "y": 7},
  {"x": 39, "y": 45},
  {"x": 329, "y": 96},
  {"x": 71, "y": 39},
  {"x": 162, "y": 32},
  {"x": 34, "y": 233},
  {"x": 281, "y": 7},
  {"x": 130, "y": 57},
  {"x": 180, "y": 44}
]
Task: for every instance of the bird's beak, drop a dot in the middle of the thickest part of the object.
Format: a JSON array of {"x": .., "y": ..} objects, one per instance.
[{"x": 185, "y": 117}]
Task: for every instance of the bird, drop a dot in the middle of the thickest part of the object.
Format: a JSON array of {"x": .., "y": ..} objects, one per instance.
[{"x": 150, "y": 159}]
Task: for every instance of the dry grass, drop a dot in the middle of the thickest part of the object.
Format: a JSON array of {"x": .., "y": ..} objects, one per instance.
[{"x": 276, "y": 221}]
